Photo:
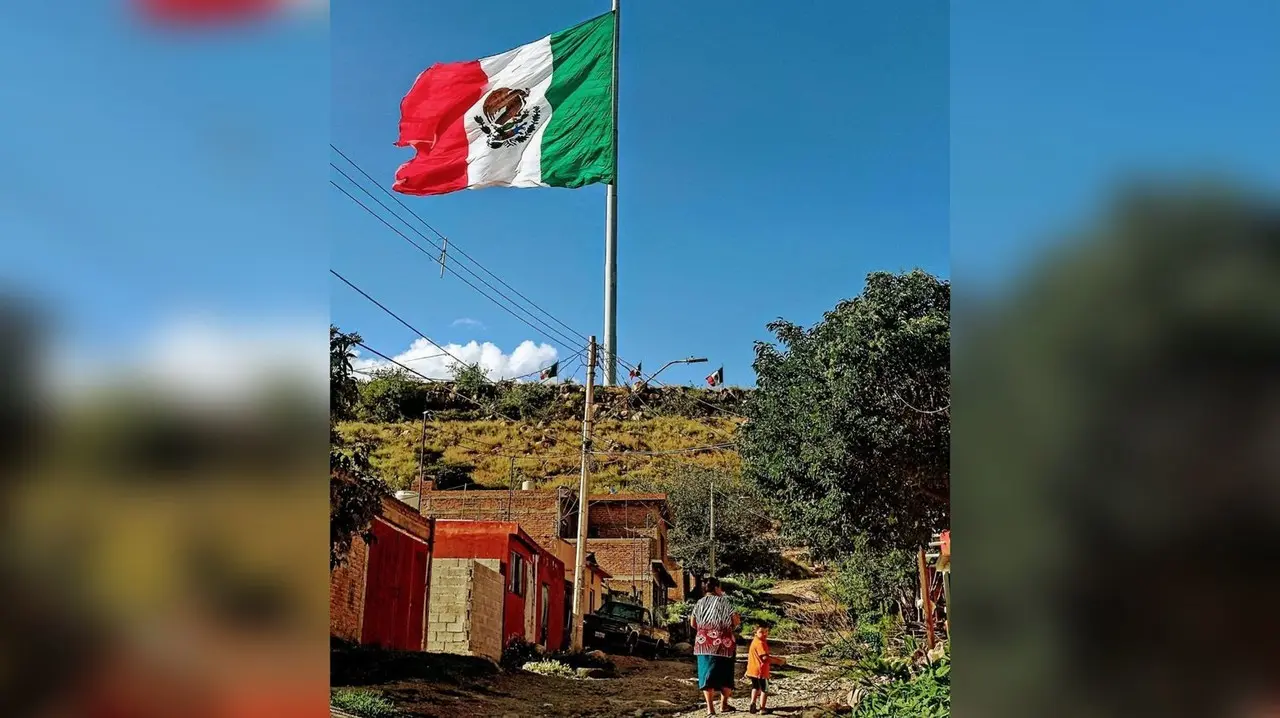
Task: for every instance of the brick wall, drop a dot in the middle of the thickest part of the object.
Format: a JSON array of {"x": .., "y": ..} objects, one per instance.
[
  {"x": 624, "y": 519},
  {"x": 628, "y": 560},
  {"x": 537, "y": 512},
  {"x": 346, "y": 593}
]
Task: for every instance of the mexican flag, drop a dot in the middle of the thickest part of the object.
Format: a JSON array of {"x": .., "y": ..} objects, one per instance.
[
  {"x": 716, "y": 378},
  {"x": 540, "y": 115},
  {"x": 549, "y": 372}
]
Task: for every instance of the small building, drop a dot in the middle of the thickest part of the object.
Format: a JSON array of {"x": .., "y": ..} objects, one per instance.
[
  {"x": 379, "y": 596},
  {"x": 627, "y": 533},
  {"x": 533, "y": 600},
  {"x": 596, "y": 581}
]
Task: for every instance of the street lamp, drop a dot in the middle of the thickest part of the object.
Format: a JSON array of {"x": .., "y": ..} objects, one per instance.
[{"x": 689, "y": 360}]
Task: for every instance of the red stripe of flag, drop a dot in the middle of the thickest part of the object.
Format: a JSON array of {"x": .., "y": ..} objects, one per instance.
[
  {"x": 432, "y": 118},
  {"x": 185, "y": 12}
]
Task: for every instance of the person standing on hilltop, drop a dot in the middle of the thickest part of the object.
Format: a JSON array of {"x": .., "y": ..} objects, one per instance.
[{"x": 716, "y": 623}]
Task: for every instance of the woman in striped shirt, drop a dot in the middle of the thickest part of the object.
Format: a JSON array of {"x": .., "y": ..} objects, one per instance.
[{"x": 715, "y": 646}]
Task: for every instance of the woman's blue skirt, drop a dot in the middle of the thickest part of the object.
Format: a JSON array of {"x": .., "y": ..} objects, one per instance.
[{"x": 715, "y": 672}]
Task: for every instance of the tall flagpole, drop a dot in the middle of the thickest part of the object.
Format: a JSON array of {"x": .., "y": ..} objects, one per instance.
[{"x": 611, "y": 235}]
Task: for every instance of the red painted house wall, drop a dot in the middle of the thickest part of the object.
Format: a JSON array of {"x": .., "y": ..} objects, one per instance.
[
  {"x": 551, "y": 573},
  {"x": 497, "y": 540}
]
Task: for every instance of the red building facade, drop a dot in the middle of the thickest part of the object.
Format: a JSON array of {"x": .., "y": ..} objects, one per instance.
[{"x": 534, "y": 597}]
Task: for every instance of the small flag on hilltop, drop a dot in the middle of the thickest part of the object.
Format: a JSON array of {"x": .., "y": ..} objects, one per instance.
[
  {"x": 551, "y": 371},
  {"x": 540, "y": 115},
  {"x": 716, "y": 378},
  {"x": 635, "y": 373}
]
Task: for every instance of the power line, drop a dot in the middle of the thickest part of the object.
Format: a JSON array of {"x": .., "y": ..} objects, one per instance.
[
  {"x": 559, "y": 335},
  {"x": 553, "y": 335},
  {"x": 416, "y": 216}
]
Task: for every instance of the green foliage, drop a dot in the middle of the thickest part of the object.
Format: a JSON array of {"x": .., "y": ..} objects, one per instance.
[
  {"x": 752, "y": 582},
  {"x": 582, "y": 659},
  {"x": 470, "y": 381},
  {"x": 871, "y": 581},
  {"x": 367, "y": 704},
  {"x": 784, "y": 629},
  {"x": 677, "y": 612},
  {"x": 550, "y": 667},
  {"x": 355, "y": 493},
  {"x": 392, "y": 395},
  {"x": 526, "y": 400},
  {"x": 744, "y": 534},
  {"x": 355, "y": 497},
  {"x": 450, "y": 475},
  {"x": 518, "y": 652},
  {"x": 924, "y": 695},
  {"x": 849, "y": 429},
  {"x": 343, "y": 389}
]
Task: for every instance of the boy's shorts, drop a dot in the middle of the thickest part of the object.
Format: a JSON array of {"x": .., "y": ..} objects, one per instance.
[{"x": 760, "y": 684}]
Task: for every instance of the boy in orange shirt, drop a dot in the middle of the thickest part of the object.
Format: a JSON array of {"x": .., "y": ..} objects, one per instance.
[{"x": 759, "y": 661}]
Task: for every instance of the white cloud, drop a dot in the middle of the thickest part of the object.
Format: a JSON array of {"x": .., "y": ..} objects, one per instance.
[
  {"x": 468, "y": 322},
  {"x": 428, "y": 359},
  {"x": 204, "y": 359}
]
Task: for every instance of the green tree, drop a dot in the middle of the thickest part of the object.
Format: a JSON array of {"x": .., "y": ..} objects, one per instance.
[
  {"x": 849, "y": 428},
  {"x": 391, "y": 396},
  {"x": 355, "y": 494},
  {"x": 344, "y": 391},
  {"x": 470, "y": 380},
  {"x": 744, "y": 537}
]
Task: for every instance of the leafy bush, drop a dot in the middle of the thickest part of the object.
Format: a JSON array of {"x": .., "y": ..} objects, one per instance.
[
  {"x": 926, "y": 695},
  {"x": 871, "y": 581},
  {"x": 525, "y": 400},
  {"x": 519, "y": 652},
  {"x": 550, "y": 667},
  {"x": 757, "y": 583},
  {"x": 677, "y": 612},
  {"x": 785, "y": 628},
  {"x": 392, "y": 395},
  {"x": 470, "y": 380},
  {"x": 363, "y": 703},
  {"x": 582, "y": 659}
]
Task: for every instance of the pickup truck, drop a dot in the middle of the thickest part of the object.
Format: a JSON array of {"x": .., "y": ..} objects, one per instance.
[{"x": 624, "y": 626}]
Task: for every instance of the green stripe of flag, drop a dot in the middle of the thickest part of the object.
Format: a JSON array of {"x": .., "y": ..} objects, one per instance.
[{"x": 577, "y": 145}]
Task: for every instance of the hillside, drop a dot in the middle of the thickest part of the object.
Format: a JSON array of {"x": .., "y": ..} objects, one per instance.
[{"x": 545, "y": 433}]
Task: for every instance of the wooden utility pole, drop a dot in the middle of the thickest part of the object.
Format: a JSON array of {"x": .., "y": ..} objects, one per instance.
[
  {"x": 926, "y": 601},
  {"x": 580, "y": 555},
  {"x": 712, "y": 536}
]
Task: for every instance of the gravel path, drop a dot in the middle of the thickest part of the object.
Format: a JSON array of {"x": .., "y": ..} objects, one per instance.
[{"x": 796, "y": 691}]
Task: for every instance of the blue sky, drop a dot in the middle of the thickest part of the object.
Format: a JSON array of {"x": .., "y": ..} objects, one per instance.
[
  {"x": 150, "y": 175},
  {"x": 1054, "y": 104},
  {"x": 771, "y": 154}
]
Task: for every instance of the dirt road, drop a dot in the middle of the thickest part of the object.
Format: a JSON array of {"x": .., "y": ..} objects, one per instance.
[{"x": 640, "y": 688}]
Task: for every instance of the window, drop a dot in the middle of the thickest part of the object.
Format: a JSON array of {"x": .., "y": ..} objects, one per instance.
[
  {"x": 517, "y": 574},
  {"x": 592, "y": 608}
]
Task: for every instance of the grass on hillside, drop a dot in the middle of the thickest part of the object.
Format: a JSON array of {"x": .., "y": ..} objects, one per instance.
[{"x": 548, "y": 452}]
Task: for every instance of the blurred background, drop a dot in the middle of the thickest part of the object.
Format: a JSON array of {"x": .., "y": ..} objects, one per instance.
[
  {"x": 1116, "y": 432},
  {"x": 163, "y": 314}
]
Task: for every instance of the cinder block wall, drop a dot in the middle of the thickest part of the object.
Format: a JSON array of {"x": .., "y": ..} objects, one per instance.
[
  {"x": 447, "y": 619},
  {"x": 487, "y": 596},
  {"x": 466, "y": 608}
]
